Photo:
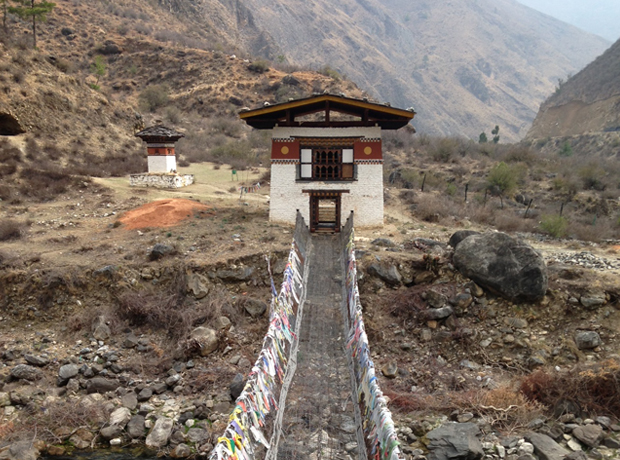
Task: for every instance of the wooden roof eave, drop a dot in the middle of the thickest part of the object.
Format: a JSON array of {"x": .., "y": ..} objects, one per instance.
[{"x": 319, "y": 103}]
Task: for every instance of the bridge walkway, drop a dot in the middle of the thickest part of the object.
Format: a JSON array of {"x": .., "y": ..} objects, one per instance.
[{"x": 319, "y": 419}]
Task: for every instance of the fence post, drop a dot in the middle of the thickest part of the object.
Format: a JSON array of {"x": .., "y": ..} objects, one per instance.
[
  {"x": 528, "y": 208},
  {"x": 423, "y": 181},
  {"x": 466, "y": 189}
]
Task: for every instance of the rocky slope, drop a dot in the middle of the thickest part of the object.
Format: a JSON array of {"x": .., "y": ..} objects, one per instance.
[
  {"x": 587, "y": 103},
  {"x": 464, "y": 65}
]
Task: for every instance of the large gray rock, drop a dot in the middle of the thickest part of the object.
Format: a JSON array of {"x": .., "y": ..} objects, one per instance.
[
  {"x": 438, "y": 313},
  {"x": 254, "y": 307},
  {"x": 101, "y": 331},
  {"x": 389, "y": 275},
  {"x": 197, "y": 285},
  {"x": 101, "y": 385},
  {"x": 587, "y": 340},
  {"x": 504, "y": 265},
  {"x": 111, "y": 432},
  {"x": 160, "y": 250},
  {"x": 160, "y": 434},
  {"x": 37, "y": 360},
  {"x": 135, "y": 427},
  {"x": 545, "y": 447},
  {"x": 26, "y": 372},
  {"x": 590, "y": 435},
  {"x": 236, "y": 274},
  {"x": 22, "y": 450},
  {"x": 120, "y": 417},
  {"x": 459, "y": 236},
  {"x": 236, "y": 386},
  {"x": 68, "y": 371},
  {"x": 206, "y": 338},
  {"x": 594, "y": 299},
  {"x": 455, "y": 441}
]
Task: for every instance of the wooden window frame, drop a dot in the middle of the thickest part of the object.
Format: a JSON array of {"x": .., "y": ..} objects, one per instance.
[{"x": 327, "y": 164}]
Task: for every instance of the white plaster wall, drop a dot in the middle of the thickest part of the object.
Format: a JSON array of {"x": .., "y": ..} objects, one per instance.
[
  {"x": 162, "y": 163},
  {"x": 365, "y": 195},
  {"x": 373, "y": 132}
]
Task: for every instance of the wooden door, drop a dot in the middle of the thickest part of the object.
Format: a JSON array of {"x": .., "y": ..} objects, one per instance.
[{"x": 325, "y": 212}]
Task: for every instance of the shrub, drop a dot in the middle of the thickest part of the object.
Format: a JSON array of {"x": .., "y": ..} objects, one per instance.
[
  {"x": 556, "y": 225},
  {"x": 10, "y": 230},
  {"x": 259, "y": 66},
  {"x": 503, "y": 178},
  {"x": 154, "y": 97},
  {"x": 444, "y": 150}
]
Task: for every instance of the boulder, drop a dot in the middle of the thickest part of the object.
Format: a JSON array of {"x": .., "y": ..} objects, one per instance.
[
  {"x": 130, "y": 401},
  {"x": 590, "y": 435},
  {"x": 254, "y": 307},
  {"x": 593, "y": 299},
  {"x": 120, "y": 417},
  {"x": 586, "y": 340},
  {"x": 197, "y": 435},
  {"x": 236, "y": 386},
  {"x": 459, "y": 236},
  {"x": 109, "y": 47},
  {"x": 206, "y": 338},
  {"x": 22, "y": 450},
  {"x": 455, "y": 441},
  {"x": 236, "y": 274},
  {"x": 160, "y": 433},
  {"x": 135, "y": 427},
  {"x": 388, "y": 275},
  {"x": 101, "y": 331},
  {"x": 111, "y": 432},
  {"x": 438, "y": 313},
  {"x": 26, "y": 372},
  {"x": 160, "y": 250},
  {"x": 37, "y": 360},
  {"x": 197, "y": 285},
  {"x": 101, "y": 385},
  {"x": 390, "y": 370},
  {"x": 502, "y": 264},
  {"x": 435, "y": 299},
  {"x": 545, "y": 447},
  {"x": 181, "y": 451},
  {"x": 68, "y": 371},
  {"x": 145, "y": 394}
]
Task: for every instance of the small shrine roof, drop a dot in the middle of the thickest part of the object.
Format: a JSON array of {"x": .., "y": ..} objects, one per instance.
[
  {"x": 159, "y": 132},
  {"x": 369, "y": 113}
]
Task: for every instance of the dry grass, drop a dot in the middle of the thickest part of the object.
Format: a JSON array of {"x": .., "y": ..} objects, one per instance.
[
  {"x": 11, "y": 230},
  {"x": 595, "y": 389}
]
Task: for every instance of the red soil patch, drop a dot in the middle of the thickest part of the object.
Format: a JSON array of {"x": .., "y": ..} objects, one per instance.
[{"x": 161, "y": 213}]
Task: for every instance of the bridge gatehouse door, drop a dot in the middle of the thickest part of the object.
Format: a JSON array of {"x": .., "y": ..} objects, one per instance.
[{"x": 325, "y": 212}]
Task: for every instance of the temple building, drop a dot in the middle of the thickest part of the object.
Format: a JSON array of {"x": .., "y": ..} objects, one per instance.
[
  {"x": 162, "y": 163},
  {"x": 326, "y": 158}
]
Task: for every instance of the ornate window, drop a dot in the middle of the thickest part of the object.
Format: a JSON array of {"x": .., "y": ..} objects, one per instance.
[{"x": 326, "y": 164}]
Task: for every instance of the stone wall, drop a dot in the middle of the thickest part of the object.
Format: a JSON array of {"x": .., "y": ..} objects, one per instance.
[{"x": 161, "y": 180}]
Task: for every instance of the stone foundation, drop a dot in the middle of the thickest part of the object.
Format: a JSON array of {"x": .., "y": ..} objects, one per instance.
[{"x": 161, "y": 180}]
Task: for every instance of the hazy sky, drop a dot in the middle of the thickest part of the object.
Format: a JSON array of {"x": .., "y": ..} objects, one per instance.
[{"x": 601, "y": 17}]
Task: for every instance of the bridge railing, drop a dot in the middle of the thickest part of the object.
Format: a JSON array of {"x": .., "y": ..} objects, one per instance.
[
  {"x": 245, "y": 437},
  {"x": 378, "y": 426}
]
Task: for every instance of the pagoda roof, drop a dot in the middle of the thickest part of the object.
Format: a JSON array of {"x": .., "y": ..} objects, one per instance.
[
  {"x": 159, "y": 132},
  {"x": 369, "y": 113}
]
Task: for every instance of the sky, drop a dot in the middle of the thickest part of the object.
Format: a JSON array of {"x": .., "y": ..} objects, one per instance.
[{"x": 601, "y": 17}]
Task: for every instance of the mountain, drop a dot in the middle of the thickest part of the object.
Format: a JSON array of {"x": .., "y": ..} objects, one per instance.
[
  {"x": 599, "y": 17},
  {"x": 465, "y": 65},
  {"x": 588, "y": 102}
]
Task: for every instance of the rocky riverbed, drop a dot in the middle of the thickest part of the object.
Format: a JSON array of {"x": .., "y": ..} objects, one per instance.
[{"x": 72, "y": 385}]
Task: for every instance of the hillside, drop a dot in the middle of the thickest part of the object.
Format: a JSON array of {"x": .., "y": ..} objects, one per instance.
[
  {"x": 464, "y": 65},
  {"x": 70, "y": 116},
  {"x": 588, "y": 102}
]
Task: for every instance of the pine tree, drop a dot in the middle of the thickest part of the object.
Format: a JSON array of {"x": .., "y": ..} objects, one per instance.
[
  {"x": 482, "y": 139},
  {"x": 495, "y": 133},
  {"x": 34, "y": 10}
]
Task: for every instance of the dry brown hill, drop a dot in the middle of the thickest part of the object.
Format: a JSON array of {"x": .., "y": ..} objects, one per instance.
[{"x": 587, "y": 103}]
